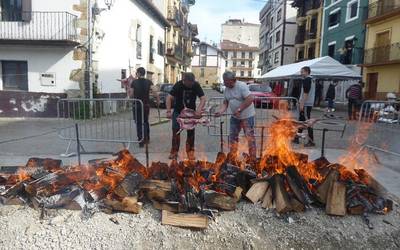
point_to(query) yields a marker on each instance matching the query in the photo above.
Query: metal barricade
(266, 109)
(100, 120)
(381, 120)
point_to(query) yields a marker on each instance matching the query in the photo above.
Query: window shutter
(26, 10)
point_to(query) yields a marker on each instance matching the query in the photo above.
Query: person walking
(238, 98)
(140, 90)
(184, 95)
(354, 96)
(306, 102)
(330, 97)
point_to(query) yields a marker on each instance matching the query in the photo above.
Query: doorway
(372, 81)
(382, 45)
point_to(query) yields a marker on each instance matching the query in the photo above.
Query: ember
(282, 179)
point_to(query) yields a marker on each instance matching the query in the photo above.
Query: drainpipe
(322, 30)
(283, 32)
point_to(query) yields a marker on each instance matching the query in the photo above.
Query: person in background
(240, 102)
(319, 89)
(183, 95)
(296, 91)
(330, 97)
(140, 90)
(306, 102)
(354, 96)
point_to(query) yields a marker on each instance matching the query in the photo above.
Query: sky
(210, 14)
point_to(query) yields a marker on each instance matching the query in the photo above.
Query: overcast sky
(210, 14)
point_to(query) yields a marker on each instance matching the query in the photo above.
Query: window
(334, 19)
(279, 15)
(242, 73)
(271, 24)
(226, 54)
(151, 56)
(234, 54)
(352, 10)
(249, 73)
(160, 48)
(270, 41)
(242, 63)
(276, 57)
(226, 63)
(243, 54)
(234, 63)
(203, 61)
(250, 55)
(300, 56)
(331, 50)
(250, 64)
(278, 36)
(203, 49)
(202, 72)
(348, 51)
(15, 75)
(16, 10)
(311, 53)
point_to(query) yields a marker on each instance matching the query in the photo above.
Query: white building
(43, 50)
(238, 31)
(208, 64)
(277, 35)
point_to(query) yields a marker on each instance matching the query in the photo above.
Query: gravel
(249, 227)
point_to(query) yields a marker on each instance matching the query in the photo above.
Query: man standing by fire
(240, 102)
(184, 95)
(307, 98)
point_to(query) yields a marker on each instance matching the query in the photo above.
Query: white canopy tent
(325, 68)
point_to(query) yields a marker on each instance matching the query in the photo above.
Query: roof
(150, 7)
(234, 46)
(212, 46)
(322, 67)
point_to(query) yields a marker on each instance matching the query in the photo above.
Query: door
(382, 45)
(372, 81)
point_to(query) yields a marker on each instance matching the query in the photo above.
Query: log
(267, 199)
(336, 200)
(128, 204)
(299, 186)
(184, 220)
(297, 205)
(156, 184)
(237, 195)
(323, 189)
(282, 199)
(221, 201)
(257, 191)
(174, 207)
(371, 182)
(130, 185)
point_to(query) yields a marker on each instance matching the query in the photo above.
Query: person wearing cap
(184, 95)
(240, 102)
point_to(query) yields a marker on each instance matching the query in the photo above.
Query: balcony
(311, 35)
(175, 17)
(186, 32)
(174, 50)
(389, 54)
(382, 9)
(43, 28)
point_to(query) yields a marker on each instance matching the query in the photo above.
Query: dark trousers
(142, 123)
(353, 108)
(303, 115)
(176, 138)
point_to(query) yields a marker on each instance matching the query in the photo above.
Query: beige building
(179, 39)
(208, 64)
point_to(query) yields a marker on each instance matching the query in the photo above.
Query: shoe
(141, 145)
(191, 156)
(173, 156)
(309, 144)
(296, 140)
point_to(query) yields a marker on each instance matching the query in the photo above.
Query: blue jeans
(331, 103)
(248, 127)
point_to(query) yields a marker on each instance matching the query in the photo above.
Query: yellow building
(179, 38)
(309, 27)
(381, 68)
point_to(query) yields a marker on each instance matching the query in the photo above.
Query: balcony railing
(175, 16)
(311, 35)
(174, 50)
(383, 55)
(383, 7)
(38, 26)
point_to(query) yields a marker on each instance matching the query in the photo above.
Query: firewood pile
(190, 193)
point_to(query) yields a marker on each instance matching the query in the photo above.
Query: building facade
(208, 64)
(309, 28)
(344, 30)
(277, 35)
(382, 49)
(179, 38)
(240, 43)
(242, 60)
(74, 48)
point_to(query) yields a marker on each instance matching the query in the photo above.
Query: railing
(38, 26)
(384, 54)
(175, 16)
(382, 7)
(311, 35)
(174, 50)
